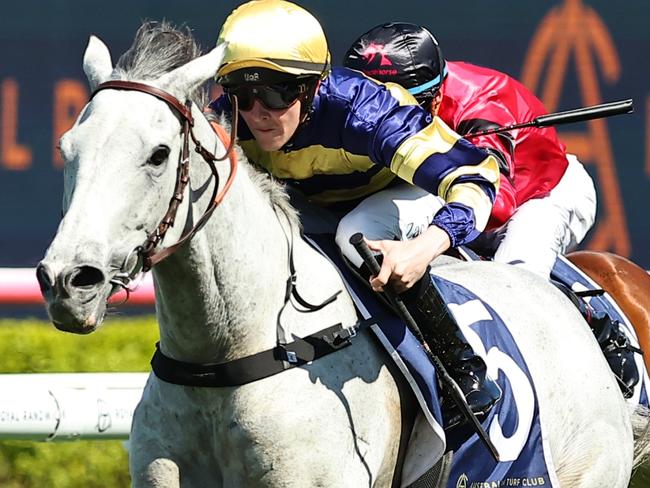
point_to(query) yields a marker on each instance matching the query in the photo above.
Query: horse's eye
(159, 156)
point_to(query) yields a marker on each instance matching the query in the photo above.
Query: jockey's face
(272, 129)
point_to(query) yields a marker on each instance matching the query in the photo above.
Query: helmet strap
(306, 111)
(307, 103)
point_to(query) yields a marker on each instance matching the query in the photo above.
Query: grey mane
(159, 48)
(277, 194)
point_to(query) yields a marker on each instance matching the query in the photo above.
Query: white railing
(65, 406)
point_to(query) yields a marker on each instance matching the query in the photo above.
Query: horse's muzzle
(76, 297)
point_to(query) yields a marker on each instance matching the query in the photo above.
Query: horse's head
(121, 158)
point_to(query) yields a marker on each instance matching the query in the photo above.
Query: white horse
(331, 423)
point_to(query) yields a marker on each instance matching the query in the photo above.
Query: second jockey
(546, 201)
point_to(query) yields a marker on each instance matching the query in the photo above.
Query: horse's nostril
(86, 277)
(44, 278)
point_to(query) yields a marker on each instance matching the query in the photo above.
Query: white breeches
(542, 228)
(538, 231)
(401, 212)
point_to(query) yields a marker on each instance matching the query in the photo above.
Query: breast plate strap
(256, 366)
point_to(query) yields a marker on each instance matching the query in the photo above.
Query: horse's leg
(160, 473)
(159, 455)
(158, 452)
(627, 283)
(149, 464)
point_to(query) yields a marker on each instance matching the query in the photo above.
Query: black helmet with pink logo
(402, 53)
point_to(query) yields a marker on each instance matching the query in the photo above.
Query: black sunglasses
(274, 97)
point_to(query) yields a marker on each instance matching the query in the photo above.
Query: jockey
(402, 176)
(546, 201)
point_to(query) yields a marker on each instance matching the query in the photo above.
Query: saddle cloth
(514, 423)
(518, 430)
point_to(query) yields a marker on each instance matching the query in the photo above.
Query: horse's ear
(97, 62)
(189, 77)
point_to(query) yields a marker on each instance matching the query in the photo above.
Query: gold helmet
(273, 35)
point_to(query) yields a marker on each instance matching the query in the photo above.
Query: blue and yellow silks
(361, 135)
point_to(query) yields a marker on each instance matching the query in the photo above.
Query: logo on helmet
(374, 50)
(251, 77)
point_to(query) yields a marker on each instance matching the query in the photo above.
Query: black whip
(456, 393)
(568, 117)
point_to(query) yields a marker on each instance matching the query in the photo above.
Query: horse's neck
(219, 296)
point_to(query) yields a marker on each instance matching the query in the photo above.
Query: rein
(148, 249)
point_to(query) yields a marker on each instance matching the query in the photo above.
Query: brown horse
(627, 283)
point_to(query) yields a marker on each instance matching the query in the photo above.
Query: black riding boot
(446, 341)
(618, 352)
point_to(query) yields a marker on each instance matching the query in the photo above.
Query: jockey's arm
(438, 160)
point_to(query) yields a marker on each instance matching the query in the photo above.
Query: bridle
(147, 251)
(284, 355)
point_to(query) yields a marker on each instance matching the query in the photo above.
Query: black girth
(257, 366)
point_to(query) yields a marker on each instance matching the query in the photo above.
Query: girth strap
(257, 366)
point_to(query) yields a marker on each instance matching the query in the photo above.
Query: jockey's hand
(406, 261)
